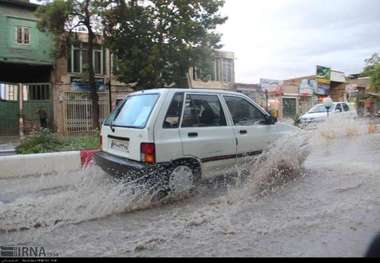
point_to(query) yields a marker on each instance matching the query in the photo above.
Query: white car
(179, 136)
(318, 113)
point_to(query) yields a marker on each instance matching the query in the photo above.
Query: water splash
(96, 195)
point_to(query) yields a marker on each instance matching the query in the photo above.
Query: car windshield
(134, 112)
(318, 109)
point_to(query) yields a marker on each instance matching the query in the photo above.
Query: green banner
(323, 75)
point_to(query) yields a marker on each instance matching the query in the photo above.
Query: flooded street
(329, 205)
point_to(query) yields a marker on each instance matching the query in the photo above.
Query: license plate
(120, 145)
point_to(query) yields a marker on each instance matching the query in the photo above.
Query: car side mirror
(270, 119)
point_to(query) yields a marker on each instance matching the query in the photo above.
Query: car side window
(173, 115)
(345, 107)
(203, 110)
(338, 107)
(244, 113)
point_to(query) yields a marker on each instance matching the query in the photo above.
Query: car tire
(180, 178)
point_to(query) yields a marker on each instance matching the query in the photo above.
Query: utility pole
(109, 80)
(21, 110)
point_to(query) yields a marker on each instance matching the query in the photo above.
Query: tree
(156, 42)
(61, 18)
(372, 70)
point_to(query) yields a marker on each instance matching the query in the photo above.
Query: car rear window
(134, 112)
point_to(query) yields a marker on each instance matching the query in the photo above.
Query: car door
(205, 133)
(250, 128)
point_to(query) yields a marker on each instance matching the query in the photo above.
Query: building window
(227, 70)
(217, 70)
(37, 92)
(8, 92)
(98, 61)
(78, 59)
(23, 36)
(222, 70)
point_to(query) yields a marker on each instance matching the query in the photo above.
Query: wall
(37, 52)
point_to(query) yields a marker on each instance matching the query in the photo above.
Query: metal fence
(33, 97)
(77, 112)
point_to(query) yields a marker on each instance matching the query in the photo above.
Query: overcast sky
(282, 39)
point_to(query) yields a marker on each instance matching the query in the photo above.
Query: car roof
(335, 102)
(173, 90)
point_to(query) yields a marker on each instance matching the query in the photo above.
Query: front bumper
(123, 168)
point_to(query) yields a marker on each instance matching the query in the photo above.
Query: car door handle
(192, 134)
(243, 131)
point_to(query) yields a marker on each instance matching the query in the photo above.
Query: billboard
(83, 86)
(308, 87)
(273, 86)
(323, 75)
(322, 89)
(337, 76)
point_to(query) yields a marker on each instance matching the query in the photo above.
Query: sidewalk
(8, 145)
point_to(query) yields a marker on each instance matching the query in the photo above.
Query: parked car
(179, 136)
(318, 113)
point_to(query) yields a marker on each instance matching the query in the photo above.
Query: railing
(77, 112)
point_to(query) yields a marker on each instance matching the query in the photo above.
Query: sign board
(307, 87)
(337, 76)
(82, 86)
(322, 89)
(323, 75)
(272, 86)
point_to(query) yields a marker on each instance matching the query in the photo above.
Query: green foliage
(53, 18)
(157, 43)
(372, 70)
(43, 140)
(297, 119)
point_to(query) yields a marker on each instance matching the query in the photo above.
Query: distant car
(179, 136)
(318, 113)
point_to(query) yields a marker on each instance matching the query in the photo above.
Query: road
(329, 205)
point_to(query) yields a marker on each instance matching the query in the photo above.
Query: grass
(74, 143)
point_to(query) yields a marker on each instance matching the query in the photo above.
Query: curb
(37, 164)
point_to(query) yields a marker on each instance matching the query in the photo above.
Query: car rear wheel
(181, 180)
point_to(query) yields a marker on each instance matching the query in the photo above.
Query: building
(72, 102)
(359, 93)
(25, 68)
(253, 91)
(301, 93)
(223, 73)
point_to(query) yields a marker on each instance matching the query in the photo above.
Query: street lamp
(327, 102)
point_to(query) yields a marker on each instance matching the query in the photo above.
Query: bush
(43, 140)
(39, 141)
(296, 119)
